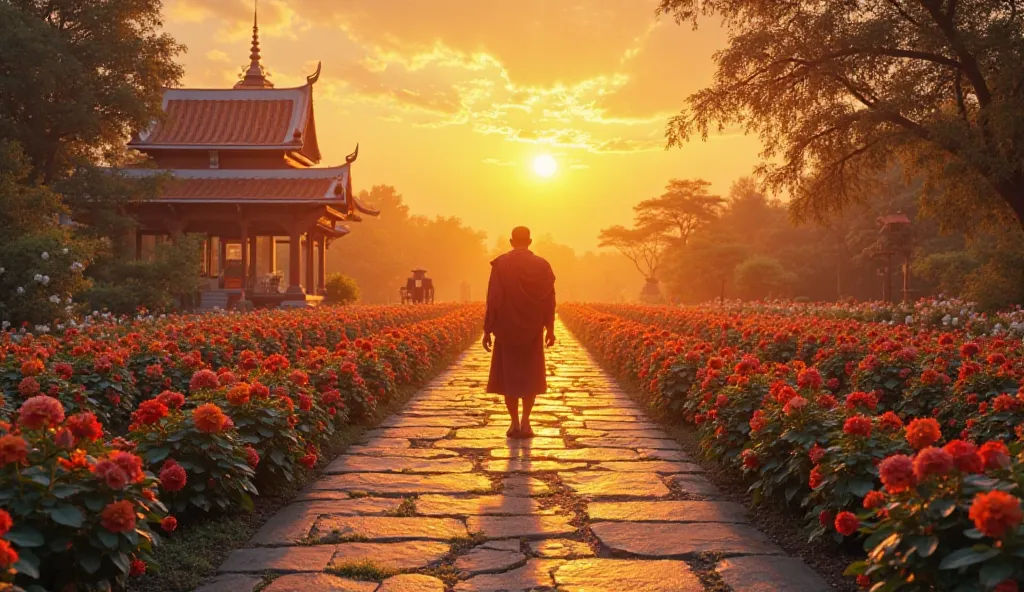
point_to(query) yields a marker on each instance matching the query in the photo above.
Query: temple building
(241, 169)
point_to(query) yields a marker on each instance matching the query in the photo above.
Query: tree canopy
(837, 89)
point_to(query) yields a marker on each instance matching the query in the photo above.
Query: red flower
(995, 513)
(114, 476)
(5, 522)
(858, 425)
(750, 460)
(847, 523)
(129, 463)
(137, 568)
(204, 379)
(968, 349)
(85, 426)
(889, 421)
(239, 394)
(150, 412)
(794, 405)
(816, 453)
(209, 418)
(897, 473)
(995, 455)
(923, 432)
(118, 517)
(171, 399)
(965, 456)
(8, 556)
(169, 524)
(33, 367)
(864, 581)
(12, 449)
(308, 461)
(825, 518)
(932, 461)
(28, 386)
(874, 500)
(1007, 586)
(173, 476)
(815, 479)
(41, 411)
(259, 391)
(252, 457)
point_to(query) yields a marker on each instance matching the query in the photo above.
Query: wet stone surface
(437, 499)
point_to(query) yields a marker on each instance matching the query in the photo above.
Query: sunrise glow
(545, 166)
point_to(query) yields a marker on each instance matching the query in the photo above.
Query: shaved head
(521, 237)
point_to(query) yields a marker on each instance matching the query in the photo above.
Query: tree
(341, 289)
(835, 89)
(682, 209)
(78, 77)
(705, 267)
(761, 277)
(644, 246)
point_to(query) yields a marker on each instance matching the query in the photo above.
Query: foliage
(123, 286)
(82, 510)
(341, 289)
(760, 277)
(835, 92)
(685, 206)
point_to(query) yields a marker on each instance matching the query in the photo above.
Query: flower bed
(112, 433)
(907, 438)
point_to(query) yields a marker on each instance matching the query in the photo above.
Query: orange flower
(8, 556)
(118, 517)
(12, 449)
(239, 394)
(874, 500)
(897, 473)
(5, 522)
(209, 418)
(995, 513)
(33, 367)
(923, 432)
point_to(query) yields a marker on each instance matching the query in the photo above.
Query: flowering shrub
(838, 416)
(78, 511)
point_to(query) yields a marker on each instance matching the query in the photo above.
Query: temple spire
(255, 76)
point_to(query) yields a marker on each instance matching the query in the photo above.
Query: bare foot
(526, 432)
(513, 432)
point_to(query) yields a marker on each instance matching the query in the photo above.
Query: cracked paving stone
(446, 505)
(279, 559)
(487, 444)
(619, 575)
(535, 574)
(499, 432)
(401, 452)
(609, 426)
(405, 483)
(561, 549)
(482, 560)
(667, 511)
(503, 527)
(293, 523)
(568, 454)
(393, 556)
(770, 574)
(415, 433)
(501, 545)
(411, 583)
(630, 442)
(373, 464)
(654, 454)
(388, 528)
(662, 539)
(606, 484)
(695, 485)
(386, 443)
(319, 582)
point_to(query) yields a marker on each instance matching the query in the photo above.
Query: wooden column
(253, 255)
(294, 262)
(223, 258)
(138, 244)
(310, 263)
(245, 257)
(321, 268)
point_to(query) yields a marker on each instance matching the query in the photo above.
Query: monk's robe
(520, 304)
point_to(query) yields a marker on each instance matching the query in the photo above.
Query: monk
(520, 308)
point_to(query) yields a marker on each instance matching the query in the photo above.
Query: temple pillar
(253, 256)
(310, 263)
(222, 261)
(321, 268)
(245, 257)
(138, 244)
(294, 262)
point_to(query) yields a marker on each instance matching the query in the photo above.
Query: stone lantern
(419, 288)
(894, 241)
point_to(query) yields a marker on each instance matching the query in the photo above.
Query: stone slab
(655, 454)
(695, 485)
(535, 574)
(561, 549)
(387, 464)
(403, 483)
(667, 511)
(279, 559)
(231, 583)
(654, 466)
(414, 433)
(529, 465)
(629, 442)
(611, 426)
(402, 452)
(595, 484)
(446, 505)
(673, 540)
(501, 545)
(524, 486)
(482, 560)
(489, 443)
(619, 575)
(503, 527)
(401, 556)
(319, 582)
(770, 574)
(292, 524)
(387, 443)
(411, 583)
(388, 528)
(500, 430)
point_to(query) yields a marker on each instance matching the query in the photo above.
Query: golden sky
(452, 100)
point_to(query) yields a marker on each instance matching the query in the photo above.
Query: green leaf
(28, 564)
(861, 488)
(155, 455)
(67, 515)
(24, 535)
(964, 557)
(992, 574)
(90, 560)
(925, 545)
(65, 490)
(107, 538)
(942, 507)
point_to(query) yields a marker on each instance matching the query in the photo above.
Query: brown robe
(520, 304)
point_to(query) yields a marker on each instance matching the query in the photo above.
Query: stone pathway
(437, 500)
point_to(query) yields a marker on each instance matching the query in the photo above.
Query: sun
(545, 166)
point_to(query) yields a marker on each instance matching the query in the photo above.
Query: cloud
(497, 162)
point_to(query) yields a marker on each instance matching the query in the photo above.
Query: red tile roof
(221, 122)
(247, 189)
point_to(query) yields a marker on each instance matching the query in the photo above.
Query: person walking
(520, 310)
